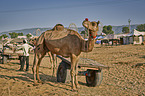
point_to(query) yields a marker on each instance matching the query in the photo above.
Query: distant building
(22, 37)
(25, 37)
(135, 37)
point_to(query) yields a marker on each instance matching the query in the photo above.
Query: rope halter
(93, 36)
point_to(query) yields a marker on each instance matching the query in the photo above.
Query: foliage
(108, 30)
(29, 35)
(13, 35)
(20, 34)
(3, 36)
(125, 29)
(84, 33)
(141, 27)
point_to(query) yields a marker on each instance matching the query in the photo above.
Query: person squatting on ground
(25, 57)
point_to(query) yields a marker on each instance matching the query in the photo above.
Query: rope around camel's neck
(89, 44)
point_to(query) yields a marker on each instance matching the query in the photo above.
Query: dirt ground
(126, 75)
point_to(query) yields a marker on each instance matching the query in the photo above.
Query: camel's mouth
(90, 30)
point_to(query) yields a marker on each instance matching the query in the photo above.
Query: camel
(67, 43)
(32, 42)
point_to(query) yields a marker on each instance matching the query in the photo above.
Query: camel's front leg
(76, 73)
(34, 68)
(72, 71)
(37, 68)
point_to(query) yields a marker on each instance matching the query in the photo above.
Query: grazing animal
(67, 43)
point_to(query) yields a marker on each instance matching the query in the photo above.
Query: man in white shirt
(25, 57)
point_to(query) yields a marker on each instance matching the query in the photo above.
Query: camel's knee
(32, 69)
(72, 73)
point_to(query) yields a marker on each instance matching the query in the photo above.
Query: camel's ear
(98, 22)
(86, 23)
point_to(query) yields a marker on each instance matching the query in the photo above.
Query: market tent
(136, 33)
(98, 39)
(135, 37)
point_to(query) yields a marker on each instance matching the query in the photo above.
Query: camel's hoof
(74, 90)
(35, 84)
(53, 75)
(39, 81)
(43, 82)
(78, 86)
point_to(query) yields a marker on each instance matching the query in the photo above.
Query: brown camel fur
(67, 43)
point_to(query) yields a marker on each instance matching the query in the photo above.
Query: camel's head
(91, 26)
(33, 41)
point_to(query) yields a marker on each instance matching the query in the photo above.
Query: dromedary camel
(32, 42)
(67, 43)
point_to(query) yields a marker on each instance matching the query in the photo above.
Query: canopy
(99, 37)
(136, 33)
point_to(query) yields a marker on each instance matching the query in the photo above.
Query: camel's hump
(59, 32)
(55, 34)
(58, 27)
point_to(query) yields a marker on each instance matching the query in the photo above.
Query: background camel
(53, 59)
(67, 43)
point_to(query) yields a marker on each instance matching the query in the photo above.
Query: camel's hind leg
(54, 64)
(51, 59)
(36, 64)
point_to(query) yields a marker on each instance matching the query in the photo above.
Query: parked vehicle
(8, 50)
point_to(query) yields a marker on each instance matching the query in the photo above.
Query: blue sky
(21, 14)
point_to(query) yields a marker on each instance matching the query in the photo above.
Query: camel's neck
(88, 45)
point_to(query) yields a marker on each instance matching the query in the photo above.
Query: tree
(125, 29)
(4, 35)
(82, 32)
(1, 37)
(13, 35)
(85, 34)
(141, 27)
(20, 34)
(108, 29)
(29, 35)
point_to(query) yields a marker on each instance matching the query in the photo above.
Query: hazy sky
(21, 14)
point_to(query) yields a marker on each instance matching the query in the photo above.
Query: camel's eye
(93, 24)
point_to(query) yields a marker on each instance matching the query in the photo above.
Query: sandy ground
(123, 78)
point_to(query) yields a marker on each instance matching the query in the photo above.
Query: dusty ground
(121, 79)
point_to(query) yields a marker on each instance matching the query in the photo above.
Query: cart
(9, 54)
(93, 74)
